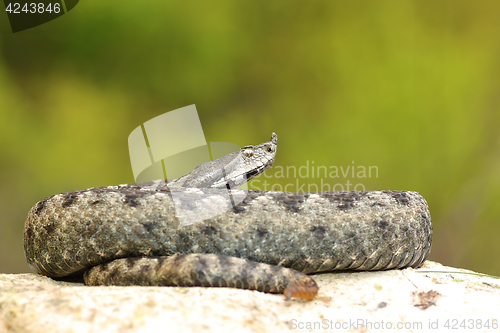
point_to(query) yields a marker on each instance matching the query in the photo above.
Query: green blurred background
(411, 87)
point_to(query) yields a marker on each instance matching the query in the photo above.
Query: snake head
(257, 159)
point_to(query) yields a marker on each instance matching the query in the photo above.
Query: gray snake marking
(268, 241)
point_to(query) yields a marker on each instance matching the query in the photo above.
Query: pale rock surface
(420, 301)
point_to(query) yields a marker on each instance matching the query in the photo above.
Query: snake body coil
(71, 232)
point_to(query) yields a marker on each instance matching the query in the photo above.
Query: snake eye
(269, 149)
(248, 153)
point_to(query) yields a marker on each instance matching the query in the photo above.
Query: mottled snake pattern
(269, 241)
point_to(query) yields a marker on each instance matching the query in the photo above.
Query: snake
(200, 230)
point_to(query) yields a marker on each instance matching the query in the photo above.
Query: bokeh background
(411, 87)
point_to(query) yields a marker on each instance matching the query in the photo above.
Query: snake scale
(267, 241)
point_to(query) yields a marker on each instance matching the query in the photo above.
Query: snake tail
(203, 270)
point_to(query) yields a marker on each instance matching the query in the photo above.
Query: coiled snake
(151, 234)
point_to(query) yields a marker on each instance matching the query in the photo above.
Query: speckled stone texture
(382, 301)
